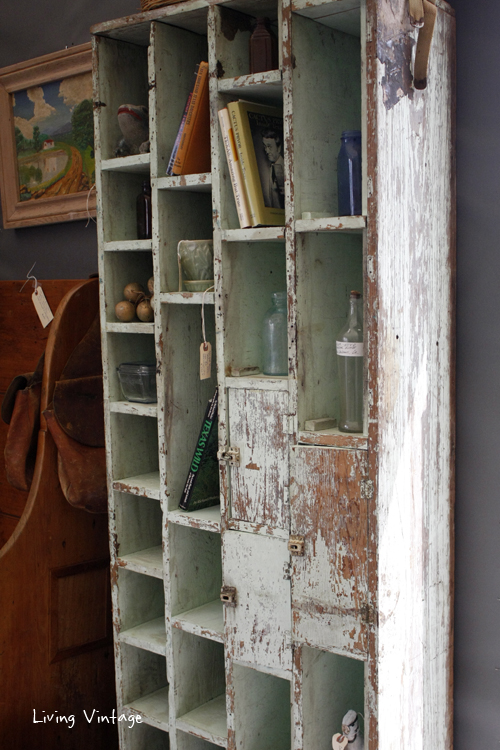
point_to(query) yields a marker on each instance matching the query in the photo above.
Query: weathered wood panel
(329, 582)
(415, 276)
(259, 485)
(258, 628)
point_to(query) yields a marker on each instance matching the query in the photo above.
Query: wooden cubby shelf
(147, 485)
(147, 561)
(206, 621)
(207, 721)
(207, 519)
(331, 550)
(139, 163)
(152, 708)
(150, 636)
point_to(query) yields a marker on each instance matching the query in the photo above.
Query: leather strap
(417, 13)
(424, 43)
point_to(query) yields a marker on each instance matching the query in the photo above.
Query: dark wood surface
(22, 341)
(56, 653)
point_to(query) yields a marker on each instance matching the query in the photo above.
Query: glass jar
(349, 173)
(350, 366)
(143, 204)
(275, 337)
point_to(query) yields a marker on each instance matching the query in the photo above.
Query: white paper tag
(339, 742)
(349, 349)
(205, 360)
(42, 306)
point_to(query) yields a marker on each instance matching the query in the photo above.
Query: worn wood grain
(258, 628)
(415, 271)
(329, 582)
(259, 485)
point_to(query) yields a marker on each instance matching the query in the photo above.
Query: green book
(202, 487)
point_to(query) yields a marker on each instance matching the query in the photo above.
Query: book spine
(178, 137)
(182, 123)
(206, 429)
(188, 125)
(249, 186)
(235, 170)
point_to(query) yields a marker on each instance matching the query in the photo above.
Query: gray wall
(31, 28)
(28, 29)
(477, 606)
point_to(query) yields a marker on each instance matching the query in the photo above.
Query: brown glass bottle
(263, 47)
(144, 229)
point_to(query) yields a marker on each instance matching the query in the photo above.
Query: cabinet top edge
(184, 6)
(146, 17)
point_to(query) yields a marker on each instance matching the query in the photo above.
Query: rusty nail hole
(397, 337)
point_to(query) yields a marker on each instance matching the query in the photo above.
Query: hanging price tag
(42, 306)
(339, 742)
(205, 360)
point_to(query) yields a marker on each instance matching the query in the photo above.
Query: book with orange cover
(193, 154)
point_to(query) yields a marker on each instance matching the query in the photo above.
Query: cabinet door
(258, 627)
(329, 582)
(259, 485)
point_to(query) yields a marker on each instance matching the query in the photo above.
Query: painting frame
(17, 78)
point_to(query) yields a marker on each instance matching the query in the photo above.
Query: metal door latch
(296, 546)
(230, 456)
(228, 596)
(367, 613)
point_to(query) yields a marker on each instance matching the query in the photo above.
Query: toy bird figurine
(351, 737)
(134, 124)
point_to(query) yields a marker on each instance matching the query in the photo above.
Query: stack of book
(253, 142)
(191, 151)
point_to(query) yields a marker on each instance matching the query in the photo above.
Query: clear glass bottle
(349, 173)
(275, 338)
(350, 365)
(143, 204)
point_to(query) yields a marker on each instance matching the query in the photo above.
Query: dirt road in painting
(71, 181)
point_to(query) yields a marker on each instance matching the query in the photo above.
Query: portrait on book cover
(267, 137)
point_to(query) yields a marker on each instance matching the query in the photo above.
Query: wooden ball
(133, 291)
(125, 311)
(144, 311)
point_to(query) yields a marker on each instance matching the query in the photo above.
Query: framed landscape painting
(47, 139)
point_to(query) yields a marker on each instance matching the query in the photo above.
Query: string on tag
(39, 299)
(28, 277)
(203, 314)
(89, 217)
(205, 347)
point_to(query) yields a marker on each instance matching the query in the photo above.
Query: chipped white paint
(258, 484)
(329, 583)
(370, 599)
(415, 277)
(258, 628)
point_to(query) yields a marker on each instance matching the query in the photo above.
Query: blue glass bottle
(275, 337)
(349, 173)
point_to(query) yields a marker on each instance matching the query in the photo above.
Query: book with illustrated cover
(235, 172)
(193, 152)
(258, 132)
(202, 484)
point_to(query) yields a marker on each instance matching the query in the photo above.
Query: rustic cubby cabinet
(338, 546)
